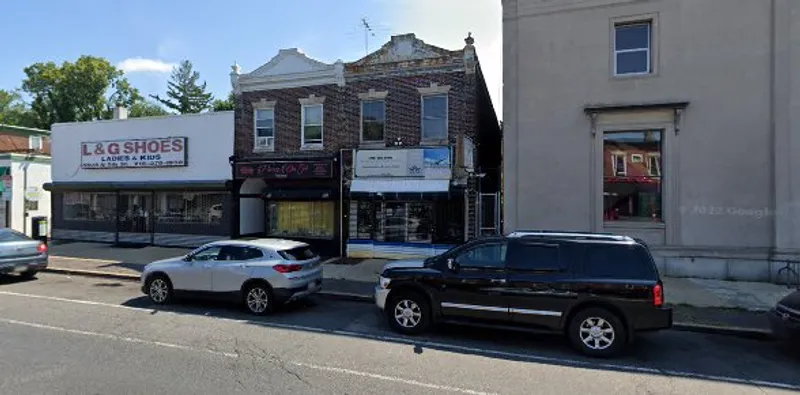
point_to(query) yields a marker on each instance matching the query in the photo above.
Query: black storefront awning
(298, 194)
(202, 185)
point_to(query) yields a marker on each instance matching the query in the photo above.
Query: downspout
(235, 201)
(773, 129)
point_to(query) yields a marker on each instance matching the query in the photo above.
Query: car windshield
(7, 235)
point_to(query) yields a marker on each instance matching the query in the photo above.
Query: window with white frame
(434, 117)
(632, 48)
(265, 129)
(312, 125)
(654, 165)
(620, 164)
(35, 142)
(373, 121)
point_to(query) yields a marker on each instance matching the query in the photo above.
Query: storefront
(295, 199)
(402, 204)
(21, 195)
(161, 181)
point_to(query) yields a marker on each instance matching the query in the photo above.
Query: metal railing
(790, 274)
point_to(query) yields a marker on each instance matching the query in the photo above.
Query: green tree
(146, 108)
(185, 94)
(14, 111)
(228, 104)
(76, 91)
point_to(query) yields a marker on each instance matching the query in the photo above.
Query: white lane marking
(443, 346)
(390, 378)
(76, 301)
(236, 356)
(114, 337)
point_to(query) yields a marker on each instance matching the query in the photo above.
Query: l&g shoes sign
(134, 153)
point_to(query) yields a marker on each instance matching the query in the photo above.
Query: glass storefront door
(395, 217)
(135, 211)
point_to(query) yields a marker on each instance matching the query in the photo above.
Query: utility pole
(367, 32)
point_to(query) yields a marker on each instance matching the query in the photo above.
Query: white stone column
(786, 125)
(510, 116)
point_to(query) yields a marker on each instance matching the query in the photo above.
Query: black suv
(598, 289)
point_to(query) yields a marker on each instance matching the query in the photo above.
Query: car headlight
(384, 282)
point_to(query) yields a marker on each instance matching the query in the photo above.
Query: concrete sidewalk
(705, 305)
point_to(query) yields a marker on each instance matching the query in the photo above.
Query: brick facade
(20, 144)
(342, 112)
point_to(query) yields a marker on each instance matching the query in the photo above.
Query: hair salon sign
(134, 153)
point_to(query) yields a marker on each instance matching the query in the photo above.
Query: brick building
(346, 156)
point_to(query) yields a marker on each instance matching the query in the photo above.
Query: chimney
(120, 112)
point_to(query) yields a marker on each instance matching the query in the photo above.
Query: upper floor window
(35, 142)
(312, 125)
(619, 163)
(632, 48)
(434, 117)
(654, 165)
(265, 129)
(373, 121)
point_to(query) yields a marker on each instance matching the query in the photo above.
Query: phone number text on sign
(134, 153)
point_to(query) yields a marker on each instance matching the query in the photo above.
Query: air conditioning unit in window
(265, 142)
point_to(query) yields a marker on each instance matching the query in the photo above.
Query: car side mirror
(452, 264)
(187, 258)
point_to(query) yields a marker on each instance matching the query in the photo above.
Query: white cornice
(302, 71)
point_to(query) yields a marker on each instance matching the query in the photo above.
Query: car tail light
(658, 295)
(288, 268)
(42, 248)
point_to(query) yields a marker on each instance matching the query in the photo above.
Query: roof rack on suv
(571, 235)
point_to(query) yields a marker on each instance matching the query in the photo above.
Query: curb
(748, 333)
(352, 297)
(92, 273)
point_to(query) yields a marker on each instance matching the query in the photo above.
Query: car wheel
(408, 313)
(597, 332)
(28, 275)
(159, 289)
(258, 299)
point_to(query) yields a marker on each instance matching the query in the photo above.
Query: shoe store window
(90, 206)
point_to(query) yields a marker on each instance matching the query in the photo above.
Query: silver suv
(260, 273)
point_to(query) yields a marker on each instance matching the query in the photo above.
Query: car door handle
(498, 281)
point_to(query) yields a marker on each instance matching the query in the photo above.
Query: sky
(146, 38)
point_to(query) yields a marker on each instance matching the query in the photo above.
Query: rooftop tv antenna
(367, 33)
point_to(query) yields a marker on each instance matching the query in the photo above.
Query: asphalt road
(78, 335)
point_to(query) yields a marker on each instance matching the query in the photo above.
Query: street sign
(33, 194)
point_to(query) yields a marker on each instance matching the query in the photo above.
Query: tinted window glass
(10, 235)
(237, 253)
(487, 255)
(252, 253)
(298, 254)
(207, 254)
(627, 262)
(534, 256)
